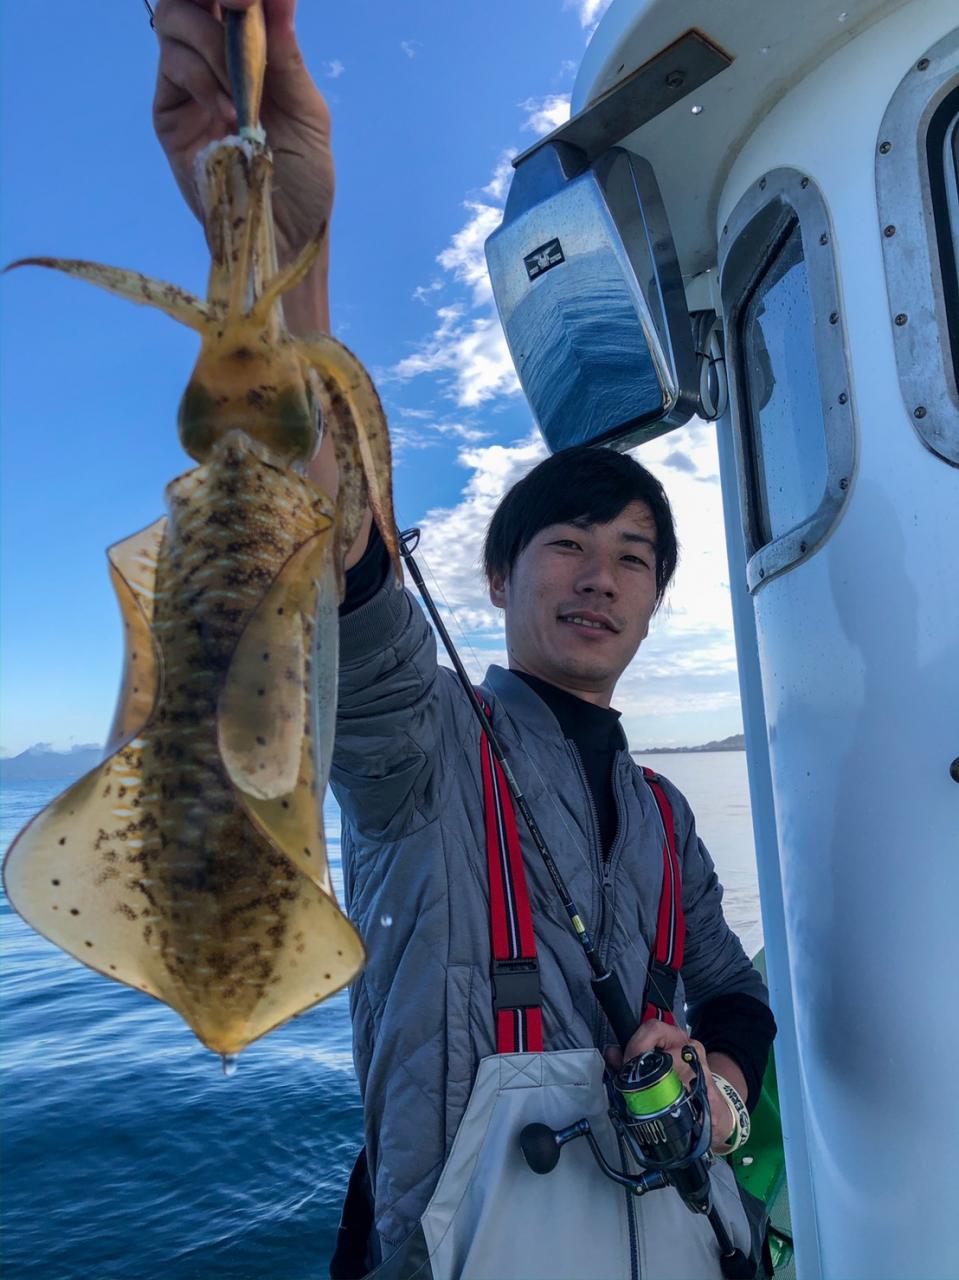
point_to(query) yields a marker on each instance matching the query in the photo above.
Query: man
(578, 556)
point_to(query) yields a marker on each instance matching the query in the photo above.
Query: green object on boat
(760, 1164)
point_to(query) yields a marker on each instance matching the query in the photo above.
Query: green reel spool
(649, 1084)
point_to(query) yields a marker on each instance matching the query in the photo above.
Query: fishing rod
(605, 983)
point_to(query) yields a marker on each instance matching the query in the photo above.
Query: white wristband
(737, 1109)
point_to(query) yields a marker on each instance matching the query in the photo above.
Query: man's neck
(598, 697)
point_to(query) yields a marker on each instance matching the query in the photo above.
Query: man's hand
(660, 1035)
(193, 108)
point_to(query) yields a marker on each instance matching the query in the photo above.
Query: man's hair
(586, 483)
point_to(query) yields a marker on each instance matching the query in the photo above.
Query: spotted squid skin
(218, 893)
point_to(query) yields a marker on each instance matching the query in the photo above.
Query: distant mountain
(736, 743)
(41, 763)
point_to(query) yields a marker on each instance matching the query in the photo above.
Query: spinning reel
(666, 1129)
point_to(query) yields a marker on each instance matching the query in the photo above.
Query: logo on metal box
(540, 260)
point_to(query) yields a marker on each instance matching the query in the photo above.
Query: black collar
(590, 726)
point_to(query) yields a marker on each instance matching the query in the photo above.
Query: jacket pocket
(459, 1046)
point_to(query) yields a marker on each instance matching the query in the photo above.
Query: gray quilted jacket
(406, 773)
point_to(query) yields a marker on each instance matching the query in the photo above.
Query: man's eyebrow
(580, 522)
(638, 537)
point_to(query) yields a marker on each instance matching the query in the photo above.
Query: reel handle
(541, 1145)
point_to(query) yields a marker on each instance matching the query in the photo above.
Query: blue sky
(428, 99)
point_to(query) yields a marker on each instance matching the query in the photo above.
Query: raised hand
(193, 108)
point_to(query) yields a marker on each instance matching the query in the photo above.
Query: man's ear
(497, 589)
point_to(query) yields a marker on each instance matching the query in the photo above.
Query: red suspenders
(667, 958)
(519, 1019)
(515, 973)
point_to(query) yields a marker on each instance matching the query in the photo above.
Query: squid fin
(361, 417)
(278, 707)
(325, 954)
(133, 568)
(281, 778)
(74, 873)
(132, 285)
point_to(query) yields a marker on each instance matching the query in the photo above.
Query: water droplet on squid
(230, 1063)
(386, 920)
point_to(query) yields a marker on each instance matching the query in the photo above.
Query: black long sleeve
(744, 1029)
(367, 575)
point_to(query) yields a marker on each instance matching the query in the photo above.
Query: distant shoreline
(40, 764)
(735, 743)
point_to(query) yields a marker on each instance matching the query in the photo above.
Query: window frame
(925, 328)
(755, 232)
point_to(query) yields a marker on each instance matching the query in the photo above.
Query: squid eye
(319, 417)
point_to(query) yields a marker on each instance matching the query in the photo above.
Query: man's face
(578, 601)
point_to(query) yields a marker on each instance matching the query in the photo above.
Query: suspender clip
(515, 984)
(661, 982)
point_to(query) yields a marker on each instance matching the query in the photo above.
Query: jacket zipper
(605, 861)
(596, 853)
(581, 769)
(610, 860)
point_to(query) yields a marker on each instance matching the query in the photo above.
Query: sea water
(128, 1153)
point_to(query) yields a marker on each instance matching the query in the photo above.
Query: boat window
(790, 393)
(942, 152)
(782, 386)
(917, 189)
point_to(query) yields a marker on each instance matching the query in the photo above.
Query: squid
(191, 863)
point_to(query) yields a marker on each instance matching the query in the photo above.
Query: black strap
(351, 1260)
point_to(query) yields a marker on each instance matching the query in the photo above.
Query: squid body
(191, 863)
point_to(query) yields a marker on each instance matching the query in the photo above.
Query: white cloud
(471, 352)
(412, 430)
(465, 256)
(468, 350)
(410, 47)
(333, 69)
(453, 536)
(423, 292)
(588, 11)
(543, 115)
(498, 185)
